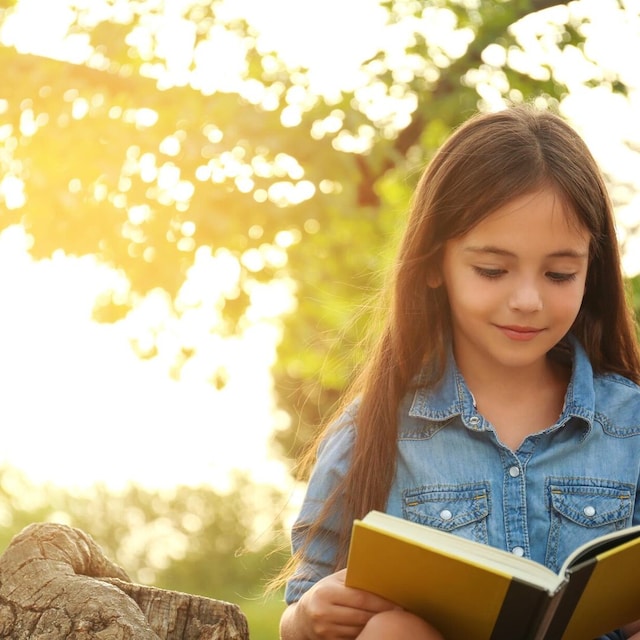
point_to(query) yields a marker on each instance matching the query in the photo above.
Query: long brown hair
(486, 162)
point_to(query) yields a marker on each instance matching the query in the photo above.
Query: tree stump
(56, 584)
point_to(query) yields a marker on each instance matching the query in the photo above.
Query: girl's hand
(632, 630)
(332, 611)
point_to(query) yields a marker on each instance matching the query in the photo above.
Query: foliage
(113, 156)
(634, 296)
(193, 540)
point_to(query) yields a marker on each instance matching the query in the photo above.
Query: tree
(194, 540)
(112, 156)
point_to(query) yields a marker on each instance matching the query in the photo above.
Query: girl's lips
(519, 333)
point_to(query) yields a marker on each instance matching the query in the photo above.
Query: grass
(263, 616)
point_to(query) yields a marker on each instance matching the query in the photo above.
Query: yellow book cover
(473, 591)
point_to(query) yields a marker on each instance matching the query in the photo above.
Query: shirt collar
(451, 397)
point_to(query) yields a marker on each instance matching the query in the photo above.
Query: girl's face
(515, 283)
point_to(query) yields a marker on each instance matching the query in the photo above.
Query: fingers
(332, 610)
(362, 600)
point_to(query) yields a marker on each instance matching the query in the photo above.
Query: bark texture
(56, 584)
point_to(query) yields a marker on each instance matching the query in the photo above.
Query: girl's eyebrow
(561, 253)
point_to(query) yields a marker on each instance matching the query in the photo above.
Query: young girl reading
(500, 401)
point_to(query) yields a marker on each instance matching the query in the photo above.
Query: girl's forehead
(541, 217)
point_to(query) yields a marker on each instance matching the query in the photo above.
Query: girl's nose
(526, 297)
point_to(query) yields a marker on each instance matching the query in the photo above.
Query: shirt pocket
(582, 509)
(459, 509)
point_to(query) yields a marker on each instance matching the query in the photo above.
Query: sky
(79, 407)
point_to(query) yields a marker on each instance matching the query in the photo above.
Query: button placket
(515, 503)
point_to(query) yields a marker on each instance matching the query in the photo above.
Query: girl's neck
(519, 403)
(512, 380)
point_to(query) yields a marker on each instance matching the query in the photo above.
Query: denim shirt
(563, 486)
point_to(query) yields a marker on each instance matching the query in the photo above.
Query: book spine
(542, 627)
(569, 598)
(521, 611)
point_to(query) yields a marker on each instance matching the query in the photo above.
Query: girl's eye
(556, 276)
(489, 273)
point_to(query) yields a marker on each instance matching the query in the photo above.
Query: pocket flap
(591, 505)
(447, 508)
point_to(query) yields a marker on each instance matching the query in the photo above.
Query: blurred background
(197, 200)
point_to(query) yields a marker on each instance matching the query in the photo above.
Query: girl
(500, 401)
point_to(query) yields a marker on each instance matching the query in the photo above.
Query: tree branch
(446, 86)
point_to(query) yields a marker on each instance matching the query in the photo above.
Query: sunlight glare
(209, 76)
(42, 28)
(322, 39)
(93, 391)
(212, 277)
(12, 192)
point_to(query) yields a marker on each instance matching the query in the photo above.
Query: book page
(476, 553)
(595, 547)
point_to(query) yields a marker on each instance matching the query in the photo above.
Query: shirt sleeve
(334, 455)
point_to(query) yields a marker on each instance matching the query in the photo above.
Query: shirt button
(517, 551)
(445, 514)
(514, 472)
(474, 420)
(589, 511)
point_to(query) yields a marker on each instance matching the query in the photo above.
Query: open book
(471, 591)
